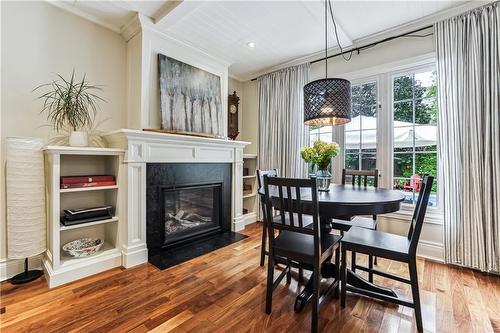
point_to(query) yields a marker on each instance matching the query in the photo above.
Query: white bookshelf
(61, 268)
(250, 199)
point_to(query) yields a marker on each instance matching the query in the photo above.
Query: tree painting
(190, 98)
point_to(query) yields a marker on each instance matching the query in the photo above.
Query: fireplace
(190, 211)
(186, 202)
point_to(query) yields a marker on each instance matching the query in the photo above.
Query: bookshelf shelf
(250, 203)
(88, 224)
(85, 189)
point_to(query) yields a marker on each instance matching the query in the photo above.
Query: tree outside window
(415, 133)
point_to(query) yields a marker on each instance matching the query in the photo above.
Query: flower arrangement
(320, 154)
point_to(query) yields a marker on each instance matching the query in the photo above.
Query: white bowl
(83, 247)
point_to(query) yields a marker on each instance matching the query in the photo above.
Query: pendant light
(327, 101)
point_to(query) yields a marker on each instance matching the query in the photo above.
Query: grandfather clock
(232, 120)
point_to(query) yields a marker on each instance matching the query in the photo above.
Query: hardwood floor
(224, 291)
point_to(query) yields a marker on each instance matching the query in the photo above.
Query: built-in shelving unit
(61, 268)
(250, 198)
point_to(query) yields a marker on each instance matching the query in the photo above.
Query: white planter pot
(78, 139)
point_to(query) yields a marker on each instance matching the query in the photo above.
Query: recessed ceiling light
(251, 44)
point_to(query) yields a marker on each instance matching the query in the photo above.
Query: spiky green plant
(70, 103)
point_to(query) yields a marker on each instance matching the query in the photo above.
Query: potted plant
(71, 104)
(321, 154)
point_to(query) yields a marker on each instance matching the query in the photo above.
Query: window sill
(432, 216)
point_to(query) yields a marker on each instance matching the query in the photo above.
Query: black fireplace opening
(186, 203)
(190, 211)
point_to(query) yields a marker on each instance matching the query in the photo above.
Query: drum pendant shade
(327, 102)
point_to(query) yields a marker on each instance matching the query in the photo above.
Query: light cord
(336, 34)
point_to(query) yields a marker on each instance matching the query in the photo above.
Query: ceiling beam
(174, 11)
(167, 7)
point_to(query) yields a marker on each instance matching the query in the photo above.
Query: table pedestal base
(353, 279)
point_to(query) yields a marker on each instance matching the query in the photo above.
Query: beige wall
(37, 40)
(250, 119)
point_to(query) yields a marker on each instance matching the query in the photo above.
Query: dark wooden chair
(359, 178)
(393, 247)
(297, 241)
(260, 180)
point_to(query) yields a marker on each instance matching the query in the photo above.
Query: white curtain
(281, 120)
(468, 67)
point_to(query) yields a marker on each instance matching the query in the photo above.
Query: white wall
(37, 40)
(393, 51)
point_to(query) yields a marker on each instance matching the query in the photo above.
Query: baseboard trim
(134, 255)
(250, 218)
(431, 250)
(11, 267)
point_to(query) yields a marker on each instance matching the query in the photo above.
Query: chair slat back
(361, 176)
(262, 173)
(260, 181)
(285, 195)
(417, 220)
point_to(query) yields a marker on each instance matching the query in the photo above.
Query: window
(393, 128)
(361, 133)
(414, 132)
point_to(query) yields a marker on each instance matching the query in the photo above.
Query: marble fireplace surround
(150, 147)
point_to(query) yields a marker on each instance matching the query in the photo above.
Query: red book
(86, 179)
(93, 184)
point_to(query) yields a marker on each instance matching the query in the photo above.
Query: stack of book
(87, 181)
(84, 215)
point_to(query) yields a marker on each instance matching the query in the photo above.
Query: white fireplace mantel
(144, 147)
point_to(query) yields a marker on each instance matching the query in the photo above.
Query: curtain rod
(361, 48)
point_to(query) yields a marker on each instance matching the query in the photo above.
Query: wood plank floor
(224, 291)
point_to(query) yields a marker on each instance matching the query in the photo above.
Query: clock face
(232, 108)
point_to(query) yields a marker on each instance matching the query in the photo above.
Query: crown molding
(69, 7)
(132, 27)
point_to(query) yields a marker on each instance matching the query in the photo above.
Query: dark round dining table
(345, 202)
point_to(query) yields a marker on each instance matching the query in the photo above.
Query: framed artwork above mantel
(190, 99)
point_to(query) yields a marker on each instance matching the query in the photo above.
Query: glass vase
(323, 180)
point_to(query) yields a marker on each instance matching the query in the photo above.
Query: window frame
(411, 70)
(361, 81)
(383, 75)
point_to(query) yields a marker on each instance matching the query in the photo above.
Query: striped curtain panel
(281, 120)
(468, 67)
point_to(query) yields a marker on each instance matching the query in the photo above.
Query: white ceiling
(282, 30)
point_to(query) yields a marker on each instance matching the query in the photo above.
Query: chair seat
(376, 243)
(300, 247)
(307, 220)
(358, 221)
